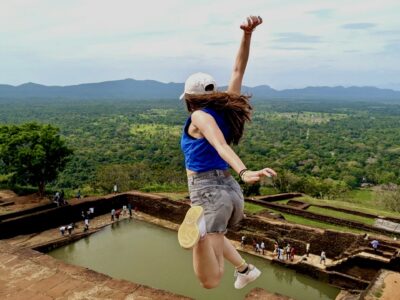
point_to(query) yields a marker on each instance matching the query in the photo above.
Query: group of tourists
(59, 198)
(67, 228)
(284, 253)
(259, 247)
(124, 211)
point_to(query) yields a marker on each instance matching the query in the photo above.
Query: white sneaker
(244, 279)
(192, 228)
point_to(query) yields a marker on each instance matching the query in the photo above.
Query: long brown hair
(237, 109)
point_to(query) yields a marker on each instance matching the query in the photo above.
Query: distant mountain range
(150, 89)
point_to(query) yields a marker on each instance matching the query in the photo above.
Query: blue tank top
(200, 155)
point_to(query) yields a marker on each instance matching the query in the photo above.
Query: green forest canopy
(319, 147)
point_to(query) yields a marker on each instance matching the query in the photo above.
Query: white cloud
(64, 42)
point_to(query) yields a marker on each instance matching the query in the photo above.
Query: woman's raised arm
(242, 56)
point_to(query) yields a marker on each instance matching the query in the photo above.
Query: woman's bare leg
(208, 260)
(233, 256)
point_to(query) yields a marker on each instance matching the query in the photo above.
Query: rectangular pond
(148, 254)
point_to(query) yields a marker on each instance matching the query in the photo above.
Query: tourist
(88, 213)
(217, 120)
(115, 188)
(323, 257)
(243, 241)
(86, 224)
(78, 195)
(69, 228)
(117, 214)
(287, 251)
(258, 249)
(62, 230)
(91, 209)
(83, 215)
(275, 247)
(124, 210)
(375, 245)
(56, 198)
(292, 251)
(280, 253)
(130, 210)
(307, 249)
(112, 215)
(262, 247)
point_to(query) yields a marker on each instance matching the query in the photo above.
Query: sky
(300, 43)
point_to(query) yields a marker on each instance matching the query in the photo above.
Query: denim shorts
(221, 198)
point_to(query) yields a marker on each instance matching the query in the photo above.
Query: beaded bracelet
(241, 173)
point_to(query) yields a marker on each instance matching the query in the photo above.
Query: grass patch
(361, 195)
(317, 224)
(340, 215)
(366, 206)
(163, 187)
(176, 196)
(253, 208)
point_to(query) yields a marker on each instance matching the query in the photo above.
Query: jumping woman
(216, 121)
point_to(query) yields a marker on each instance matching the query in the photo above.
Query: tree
(33, 153)
(389, 196)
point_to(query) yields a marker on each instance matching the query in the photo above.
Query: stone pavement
(385, 287)
(27, 274)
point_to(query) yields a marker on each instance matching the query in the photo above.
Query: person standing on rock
(280, 253)
(323, 257)
(117, 214)
(69, 228)
(243, 241)
(86, 224)
(287, 251)
(292, 251)
(275, 248)
(130, 210)
(62, 230)
(375, 244)
(112, 215)
(217, 121)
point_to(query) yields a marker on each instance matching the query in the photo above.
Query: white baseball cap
(198, 84)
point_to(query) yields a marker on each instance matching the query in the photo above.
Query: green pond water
(148, 254)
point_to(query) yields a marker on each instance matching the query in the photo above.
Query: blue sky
(301, 42)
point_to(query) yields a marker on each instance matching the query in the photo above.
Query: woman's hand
(251, 23)
(254, 176)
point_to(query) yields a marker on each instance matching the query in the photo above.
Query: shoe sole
(188, 232)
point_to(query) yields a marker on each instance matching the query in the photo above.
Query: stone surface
(385, 287)
(260, 294)
(27, 274)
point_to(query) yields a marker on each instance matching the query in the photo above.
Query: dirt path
(20, 202)
(391, 288)
(385, 287)
(4, 194)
